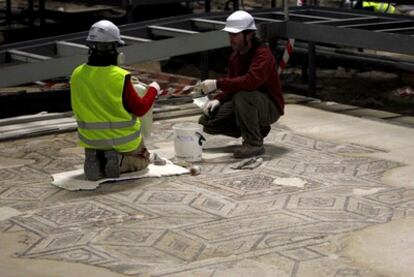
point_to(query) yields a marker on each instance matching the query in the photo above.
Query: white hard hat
(104, 31)
(239, 21)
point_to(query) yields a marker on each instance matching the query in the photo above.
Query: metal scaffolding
(159, 39)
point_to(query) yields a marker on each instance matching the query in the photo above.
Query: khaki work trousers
(135, 160)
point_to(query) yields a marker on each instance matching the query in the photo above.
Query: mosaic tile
(206, 225)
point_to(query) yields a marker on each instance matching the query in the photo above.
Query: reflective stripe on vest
(106, 125)
(109, 143)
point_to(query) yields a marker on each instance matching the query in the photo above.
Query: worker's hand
(210, 106)
(156, 86)
(208, 86)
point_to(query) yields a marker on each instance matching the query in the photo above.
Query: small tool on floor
(249, 163)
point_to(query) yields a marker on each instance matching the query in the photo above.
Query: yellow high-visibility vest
(103, 122)
(379, 7)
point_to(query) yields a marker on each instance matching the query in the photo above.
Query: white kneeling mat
(75, 179)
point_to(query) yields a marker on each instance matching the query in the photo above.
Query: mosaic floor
(285, 218)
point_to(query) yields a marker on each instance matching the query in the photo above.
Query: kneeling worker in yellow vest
(379, 7)
(107, 108)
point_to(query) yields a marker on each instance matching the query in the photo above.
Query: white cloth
(75, 179)
(200, 101)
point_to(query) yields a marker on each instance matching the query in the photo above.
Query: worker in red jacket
(107, 108)
(251, 96)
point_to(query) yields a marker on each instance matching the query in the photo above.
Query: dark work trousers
(246, 115)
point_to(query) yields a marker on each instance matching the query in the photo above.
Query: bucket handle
(201, 139)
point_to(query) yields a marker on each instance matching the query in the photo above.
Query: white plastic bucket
(146, 119)
(188, 141)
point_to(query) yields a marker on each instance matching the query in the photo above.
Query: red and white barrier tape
(286, 55)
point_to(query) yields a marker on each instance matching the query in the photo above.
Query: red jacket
(255, 70)
(135, 104)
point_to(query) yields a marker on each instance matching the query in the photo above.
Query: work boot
(112, 169)
(247, 150)
(93, 165)
(264, 131)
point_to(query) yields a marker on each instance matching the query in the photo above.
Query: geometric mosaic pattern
(207, 225)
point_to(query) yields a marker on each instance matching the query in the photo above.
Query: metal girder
(169, 32)
(339, 21)
(63, 66)
(257, 18)
(337, 29)
(207, 23)
(65, 48)
(377, 25)
(176, 46)
(135, 39)
(390, 42)
(70, 50)
(352, 56)
(398, 30)
(158, 39)
(17, 55)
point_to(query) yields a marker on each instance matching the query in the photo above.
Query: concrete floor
(334, 197)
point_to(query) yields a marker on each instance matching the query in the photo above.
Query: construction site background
(390, 91)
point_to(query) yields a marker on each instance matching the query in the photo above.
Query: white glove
(210, 106)
(156, 86)
(208, 86)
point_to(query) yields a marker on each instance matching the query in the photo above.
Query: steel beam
(207, 23)
(168, 32)
(293, 15)
(17, 55)
(135, 39)
(348, 37)
(346, 21)
(63, 66)
(351, 59)
(265, 19)
(375, 25)
(397, 30)
(314, 25)
(65, 48)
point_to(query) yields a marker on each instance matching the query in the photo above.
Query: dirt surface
(369, 89)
